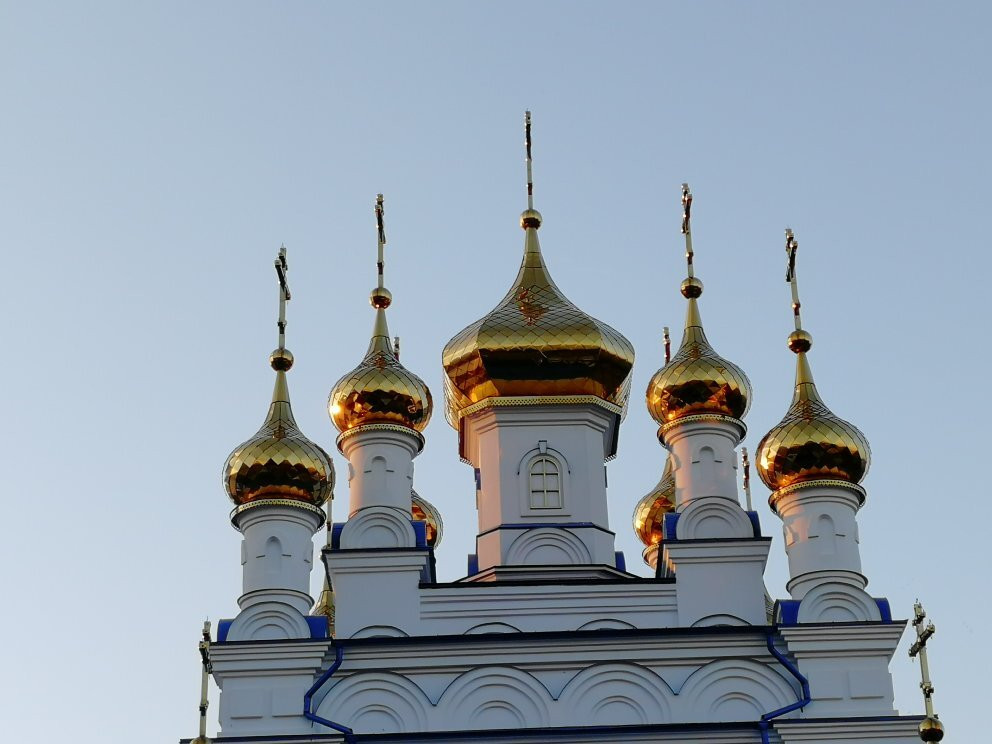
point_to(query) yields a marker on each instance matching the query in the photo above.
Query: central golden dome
(535, 342)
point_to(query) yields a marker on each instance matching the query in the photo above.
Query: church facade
(548, 638)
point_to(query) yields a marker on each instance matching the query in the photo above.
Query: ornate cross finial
(791, 246)
(204, 682)
(380, 225)
(686, 227)
(282, 268)
(746, 467)
(668, 346)
(930, 729)
(530, 173)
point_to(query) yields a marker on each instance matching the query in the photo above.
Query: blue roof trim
(546, 525)
(755, 522)
(672, 519)
(318, 626)
(621, 562)
(788, 612)
(473, 564)
(336, 535)
(223, 628)
(669, 523)
(420, 532)
(884, 609)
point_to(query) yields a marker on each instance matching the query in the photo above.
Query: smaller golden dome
(279, 462)
(649, 514)
(931, 729)
(697, 380)
(811, 442)
(424, 511)
(380, 390)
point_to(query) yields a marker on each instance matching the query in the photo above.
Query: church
(548, 637)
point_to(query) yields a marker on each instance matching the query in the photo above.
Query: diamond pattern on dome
(423, 510)
(697, 380)
(812, 443)
(649, 514)
(279, 461)
(380, 390)
(535, 342)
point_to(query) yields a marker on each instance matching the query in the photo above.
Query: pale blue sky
(155, 155)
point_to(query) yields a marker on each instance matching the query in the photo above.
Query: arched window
(545, 484)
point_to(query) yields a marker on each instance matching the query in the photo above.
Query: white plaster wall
(501, 442)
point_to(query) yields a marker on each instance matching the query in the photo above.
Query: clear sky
(153, 156)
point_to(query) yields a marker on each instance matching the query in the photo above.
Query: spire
(380, 390)
(281, 359)
(696, 380)
(530, 220)
(691, 288)
(811, 442)
(800, 342)
(381, 298)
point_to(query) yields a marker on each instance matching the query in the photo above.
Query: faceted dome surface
(535, 342)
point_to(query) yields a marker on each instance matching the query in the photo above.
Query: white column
(277, 553)
(380, 466)
(705, 459)
(821, 535)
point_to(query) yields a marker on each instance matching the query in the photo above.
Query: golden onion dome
(811, 442)
(380, 390)
(697, 380)
(279, 462)
(649, 514)
(535, 342)
(424, 511)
